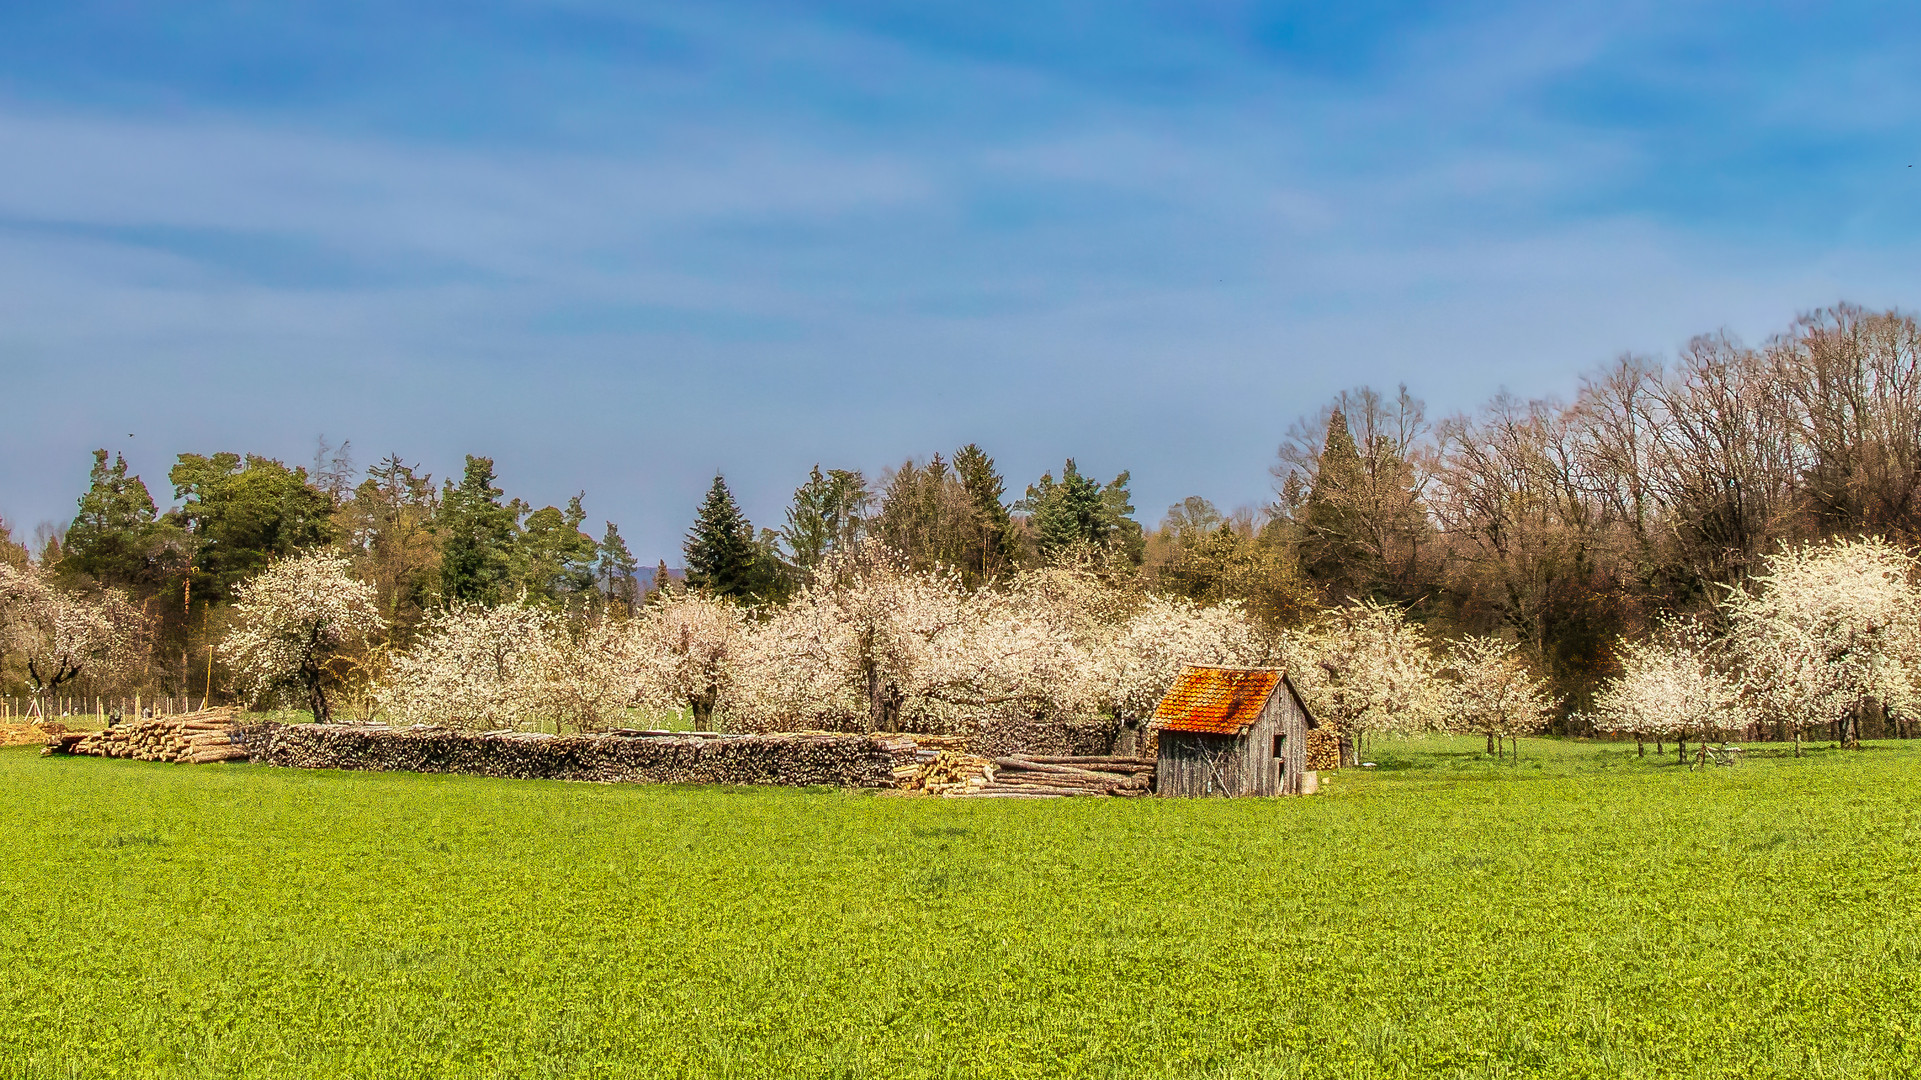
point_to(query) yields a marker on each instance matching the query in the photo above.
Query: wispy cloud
(619, 250)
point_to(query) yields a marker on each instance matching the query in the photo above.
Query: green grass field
(1582, 913)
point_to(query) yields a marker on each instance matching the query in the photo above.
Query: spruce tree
(1066, 513)
(722, 555)
(555, 560)
(479, 536)
(995, 548)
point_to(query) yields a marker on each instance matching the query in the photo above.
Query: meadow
(1583, 913)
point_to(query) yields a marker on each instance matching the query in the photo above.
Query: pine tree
(616, 568)
(242, 513)
(1361, 519)
(554, 560)
(479, 536)
(722, 554)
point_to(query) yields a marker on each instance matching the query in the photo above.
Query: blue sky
(619, 247)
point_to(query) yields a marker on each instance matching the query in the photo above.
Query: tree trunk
(1640, 748)
(1797, 742)
(1681, 749)
(1490, 741)
(703, 712)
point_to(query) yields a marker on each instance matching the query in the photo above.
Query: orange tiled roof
(1220, 701)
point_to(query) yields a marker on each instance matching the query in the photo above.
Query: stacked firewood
(1039, 777)
(192, 738)
(1323, 748)
(943, 771)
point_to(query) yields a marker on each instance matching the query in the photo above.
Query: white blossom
(1670, 687)
(1827, 628)
(59, 635)
(1367, 670)
(294, 618)
(1493, 693)
(684, 651)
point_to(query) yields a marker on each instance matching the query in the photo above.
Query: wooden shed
(1233, 731)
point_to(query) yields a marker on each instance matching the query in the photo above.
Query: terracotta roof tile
(1220, 701)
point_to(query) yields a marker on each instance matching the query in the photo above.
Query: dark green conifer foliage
(1077, 510)
(479, 536)
(617, 570)
(721, 549)
(829, 514)
(113, 539)
(994, 548)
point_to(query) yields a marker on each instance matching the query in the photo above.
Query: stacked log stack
(200, 738)
(954, 774)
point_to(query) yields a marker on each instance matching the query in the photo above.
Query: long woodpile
(797, 759)
(199, 738)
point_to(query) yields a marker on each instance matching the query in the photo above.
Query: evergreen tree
(926, 515)
(722, 553)
(1360, 519)
(1075, 510)
(116, 539)
(617, 570)
(828, 514)
(479, 536)
(386, 527)
(994, 547)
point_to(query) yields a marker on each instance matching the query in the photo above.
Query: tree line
(1563, 526)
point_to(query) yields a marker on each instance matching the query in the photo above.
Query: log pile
(1323, 748)
(1061, 776)
(1085, 737)
(944, 766)
(797, 759)
(199, 738)
(939, 771)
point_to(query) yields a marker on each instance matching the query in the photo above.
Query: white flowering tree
(583, 674)
(1493, 693)
(1132, 667)
(863, 638)
(1671, 687)
(291, 621)
(518, 666)
(876, 644)
(685, 650)
(474, 667)
(60, 636)
(1828, 628)
(1369, 671)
